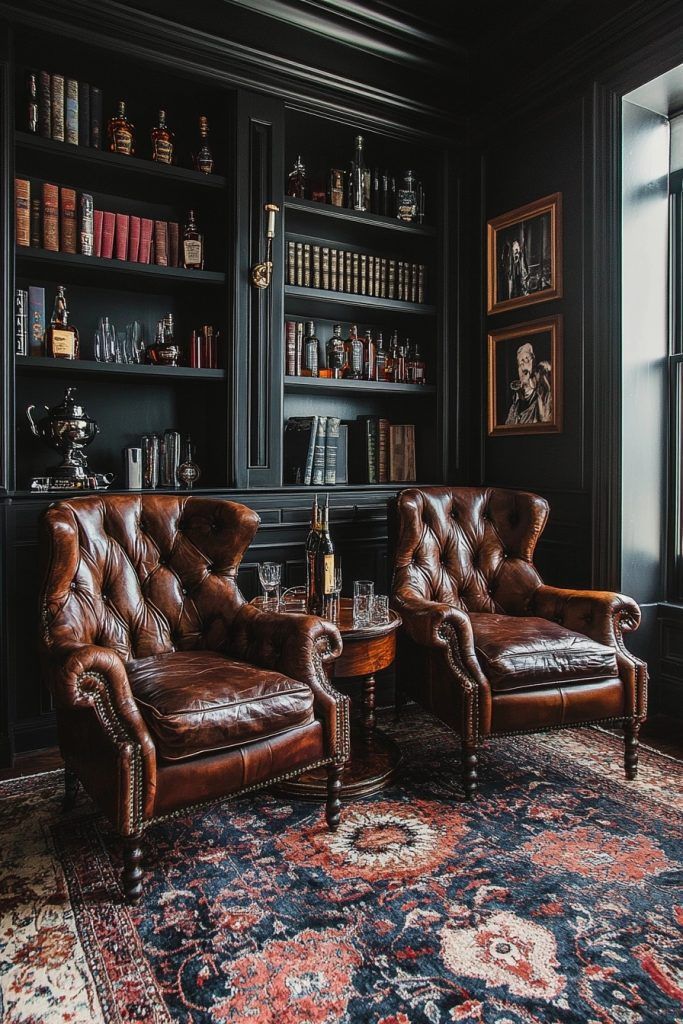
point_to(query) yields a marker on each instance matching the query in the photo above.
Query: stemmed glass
(270, 575)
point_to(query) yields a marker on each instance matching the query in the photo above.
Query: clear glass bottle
(203, 160)
(193, 247)
(162, 141)
(359, 186)
(354, 355)
(369, 357)
(381, 358)
(406, 209)
(121, 132)
(336, 353)
(310, 367)
(61, 337)
(400, 371)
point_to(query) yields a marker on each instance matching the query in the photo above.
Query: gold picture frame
(525, 378)
(524, 255)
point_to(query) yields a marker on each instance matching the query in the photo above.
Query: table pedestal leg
(369, 719)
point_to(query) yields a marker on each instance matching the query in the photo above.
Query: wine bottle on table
(311, 550)
(324, 563)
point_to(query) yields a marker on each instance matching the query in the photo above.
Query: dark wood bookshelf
(307, 208)
(109, 270)
(321, 302)
(361, 387)
(128, 166)
(88, 367)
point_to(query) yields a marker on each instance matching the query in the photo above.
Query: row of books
(61, 220)
(29, 321)
(65, 109)
(323, 451)
(343, 270)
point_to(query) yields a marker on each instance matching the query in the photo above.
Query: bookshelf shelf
(360, 387)
(305, 209)
(57, 264)
(89, 367)
(318, 302)
(100, 160)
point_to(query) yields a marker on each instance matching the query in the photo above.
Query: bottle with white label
(193, 245)
(61, 337)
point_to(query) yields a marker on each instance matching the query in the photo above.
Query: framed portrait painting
(525, 378)
(524, 255)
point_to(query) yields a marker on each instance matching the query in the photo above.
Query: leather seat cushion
(197, 702)
(518, 653)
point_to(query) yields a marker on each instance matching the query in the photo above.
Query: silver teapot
(69, 430)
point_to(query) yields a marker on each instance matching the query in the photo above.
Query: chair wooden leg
(71, 785)
(631, 730)
(469, 769)
(333, 805)
(132, 871)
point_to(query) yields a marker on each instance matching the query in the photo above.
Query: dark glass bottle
(400, 371)
(203, 160)
(312, 541)
(162, 141)
(61, 337)
(323, 575)
(310, 367)
(120, 132)
(193, 246)
(354, 355)
(336, 355)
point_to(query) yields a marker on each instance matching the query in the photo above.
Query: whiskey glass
(363, 594)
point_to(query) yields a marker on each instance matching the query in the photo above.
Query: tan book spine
(307, 265)
(395, 453)
(334, 259)
(399, 280)
(57, 93)
(414, 284)
(50, 217)
(299, 264)
(22, 211)
(371, 276)
(348, 273)
(422, 273)
(316, 274)
(383, 278)
(325, 261)
(377, 284)
(356, 273)
(391, 291)
(363, 273)
(68, 228)
(71, 111)
(341, 270)
(291, 263)
(383, 461)
(299, 350)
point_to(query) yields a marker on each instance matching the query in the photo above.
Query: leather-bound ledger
(421, 274)
(340, 270)
(134, 240)
(22, 211)
(325, 267)
(160, 243)
(307, 265)
(355, 283)
(83, 114)
(71, 111)
(300, 263)
(36, 221)
(402, 453)
(146, 229)
(290, 348)
(391, 289)
(57, 93)
(348, 272)
(333, 269)
(378, 276)
(363, 274)
(121, 237)
(400, 276)
(44, 105)
(383, 454)
(68, 228)
(316, 277)
(95, 117)
(98, 219)
(383, 278)
(173, 243)
(291, 263)
(299, 351)
(51, 217)
(414, 282)
(108, 228)
(371, 275)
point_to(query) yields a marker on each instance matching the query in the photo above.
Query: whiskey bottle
(32, 102)
(335, 187)
(418, 366)
(354, 355)
(162, 141)
(369, 357)
(61, 337)
(336, 353)
(311, 550)
(407, 199)
(296, 180)
(392, 358)
(381, 358)
(120, 132)
(359, 186)
(400, 372)
(323, 562)
(203, 160)
(193, 245)
(310, 367)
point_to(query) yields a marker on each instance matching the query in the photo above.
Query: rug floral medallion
(556, 897)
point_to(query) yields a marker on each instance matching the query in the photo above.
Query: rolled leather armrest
(599, 614)
(300, 646)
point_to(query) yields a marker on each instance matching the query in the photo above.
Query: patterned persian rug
(557, 897)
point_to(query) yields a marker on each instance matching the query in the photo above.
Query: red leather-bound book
(161, 243)
(51, 217)
(108, 227)
(122, 229)
(134, 240)
(173, 243)
(68, 228)
(146, 228)
(98, 218)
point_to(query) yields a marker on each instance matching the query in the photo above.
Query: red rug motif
(556, 897)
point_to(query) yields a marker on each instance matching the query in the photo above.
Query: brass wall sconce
(261, 272)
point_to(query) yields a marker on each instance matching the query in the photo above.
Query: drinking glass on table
(270, 575)
(380, 609)
(363, 594)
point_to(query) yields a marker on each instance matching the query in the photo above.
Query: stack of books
(62, 220)
(321, 450)
(344, 270)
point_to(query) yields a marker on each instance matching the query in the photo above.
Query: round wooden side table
(374, 757)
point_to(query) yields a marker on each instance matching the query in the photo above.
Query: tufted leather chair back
(471, 547)
(144, 574)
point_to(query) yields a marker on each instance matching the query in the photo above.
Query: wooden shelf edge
(43, 364)
(356, 386)
(372, 220)
(117, 162)
(351, 299)
(49, 258)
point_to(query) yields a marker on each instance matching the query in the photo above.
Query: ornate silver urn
(69, 430)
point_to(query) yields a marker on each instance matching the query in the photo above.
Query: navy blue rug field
(556, 897)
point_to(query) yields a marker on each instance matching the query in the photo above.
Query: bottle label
(356, 358)
(407, 204)
(192, 248)
(204, 161)
(163, 151)
(329, 574)
(62, 343)
(123, 141)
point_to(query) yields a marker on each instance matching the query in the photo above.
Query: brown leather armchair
(485, 645)
(171, 691)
